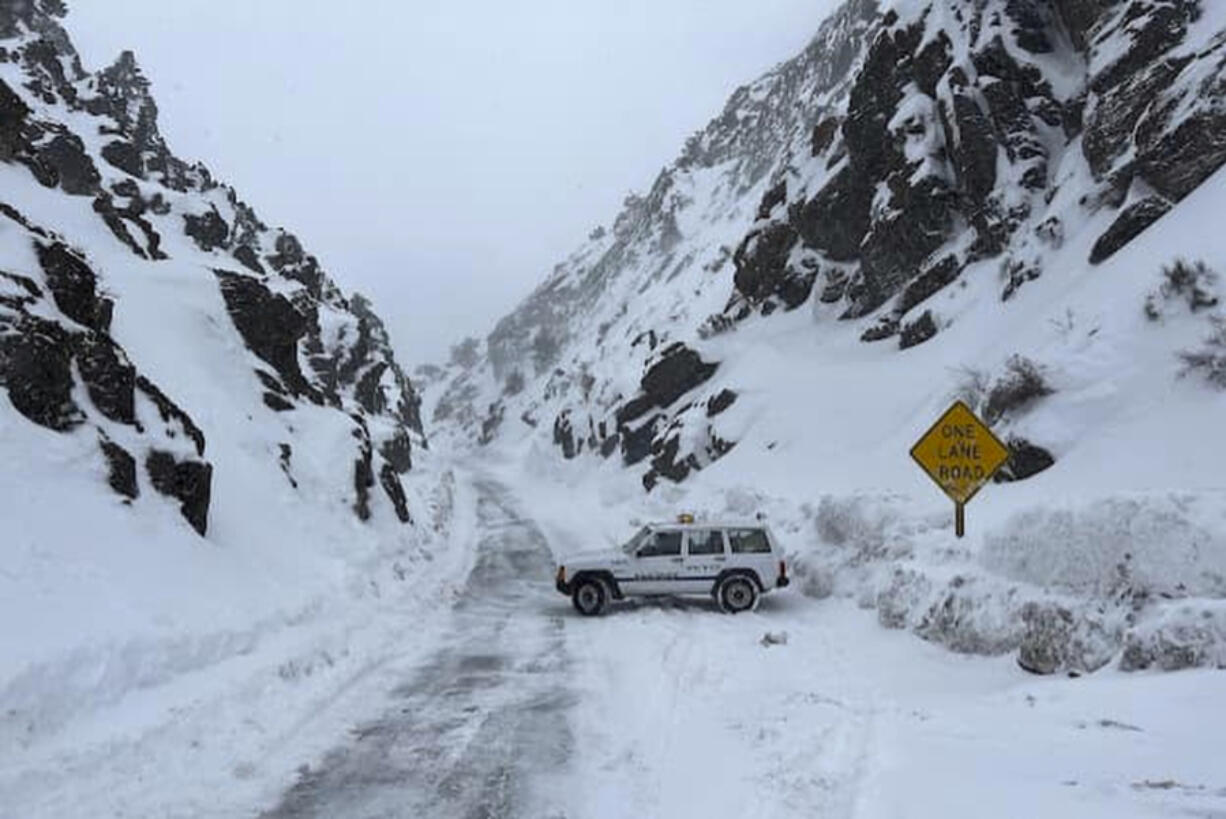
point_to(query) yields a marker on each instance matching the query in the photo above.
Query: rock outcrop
(309, 345)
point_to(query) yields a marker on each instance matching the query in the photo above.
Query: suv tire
(736, 594)
(589, 597)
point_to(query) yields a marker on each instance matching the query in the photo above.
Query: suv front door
(657, 564)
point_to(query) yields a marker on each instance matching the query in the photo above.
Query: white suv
(735, 564)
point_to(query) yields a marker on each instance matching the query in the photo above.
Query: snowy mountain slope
(986, 200)
(205, 441)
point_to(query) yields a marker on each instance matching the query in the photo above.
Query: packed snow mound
(206, 441)
(1005, 203)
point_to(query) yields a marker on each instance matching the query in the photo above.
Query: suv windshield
(633, 543)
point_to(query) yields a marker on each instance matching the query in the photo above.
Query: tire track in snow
(482, 720)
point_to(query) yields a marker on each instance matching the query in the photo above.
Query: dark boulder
(836, 219)
(398, 451)
(13, 113)
(564, 435)
(121, 475)
(247, 257)
(633, 409)
(189, 482)
(918, 331)
(270, 325)
(36, 367)
(823, 135)
(277, 402)
(720, 402)
(125, 156)
(368, 391)
(294, 263)
(363, 473)
(73, 286)
(885, 327)
(109, 378)
(395, 492)
(974, 151)
(929, 283)
(678, 371)
(1127, 226)
(1025, 460)
(636, 443)
(74, 169)
(1176, 160)
(208, 230)
(761, 262)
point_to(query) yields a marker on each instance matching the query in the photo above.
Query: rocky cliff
(912, 148)
(98, 216)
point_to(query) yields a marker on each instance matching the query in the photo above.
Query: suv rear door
(705, 558)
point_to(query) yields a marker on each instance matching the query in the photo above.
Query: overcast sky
(440, 155)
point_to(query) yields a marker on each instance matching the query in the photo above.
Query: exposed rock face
(1025, 460)
(1127, 226)
(58, 361)
(909, 150)
(678, 371)
(188, 481)
(270, 325)
(41, 358)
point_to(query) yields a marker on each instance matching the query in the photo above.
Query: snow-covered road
(483, 718)
(671, 709)
(474, 690)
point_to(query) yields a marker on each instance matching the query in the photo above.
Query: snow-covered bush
(1111, 548)
(1022, 383)
(1192, 282)
(1210, 360)
(1182, 636)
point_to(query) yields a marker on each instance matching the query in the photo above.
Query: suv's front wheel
(589, 597)
(736, 594)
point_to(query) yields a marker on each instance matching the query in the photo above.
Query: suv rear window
(662, 543)
(746, 541)
(706, 542)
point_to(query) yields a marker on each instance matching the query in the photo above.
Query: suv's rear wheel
(589, 597)
(736, 594)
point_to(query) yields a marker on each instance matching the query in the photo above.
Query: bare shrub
(1022, 383)
(1210, 360)
(1192, 282)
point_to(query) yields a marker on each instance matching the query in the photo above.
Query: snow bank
(1153, 545)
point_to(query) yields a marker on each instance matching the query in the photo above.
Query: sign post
(961, 454)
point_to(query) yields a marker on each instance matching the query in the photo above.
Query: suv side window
(748, 541)
(661, 543)
(706, 542)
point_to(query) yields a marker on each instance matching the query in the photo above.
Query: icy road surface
(483, 718)
(671, 709)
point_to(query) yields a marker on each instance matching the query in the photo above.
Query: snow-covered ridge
(95, 136)
(206, 444)
(910, 146)
(1003, 202)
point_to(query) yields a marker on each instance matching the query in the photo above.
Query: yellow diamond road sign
(960, 453)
